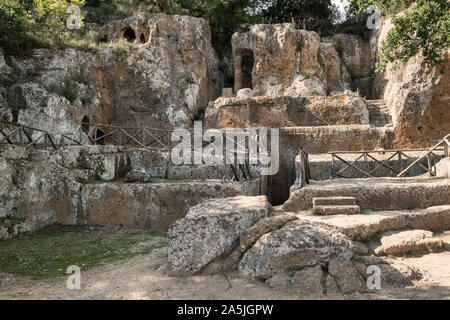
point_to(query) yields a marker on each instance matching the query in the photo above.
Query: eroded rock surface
(272, 58)
(297, 245)
(285, 252)
(418, 98)
(211, 230)
(394, 243)
(160, 80)
(286, 111)
(97, 185)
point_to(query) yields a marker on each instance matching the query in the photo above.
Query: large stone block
(299, 244)
(286, 111)
(152, 206)
(210, 231)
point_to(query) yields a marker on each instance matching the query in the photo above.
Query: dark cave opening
(129, 35)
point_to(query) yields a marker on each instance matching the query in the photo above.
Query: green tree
(314, 15)
(386, 6)
(27, 23)
(15, 22)
(424, 28)
(224, 17)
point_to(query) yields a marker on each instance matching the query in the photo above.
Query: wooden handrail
(443, 141)
(336, 172)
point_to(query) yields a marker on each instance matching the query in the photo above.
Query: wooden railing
(98, 134)
(446, 146)
(13, 133)
(367, 156)
(147, 138)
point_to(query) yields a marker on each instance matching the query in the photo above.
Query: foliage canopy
(424, 26)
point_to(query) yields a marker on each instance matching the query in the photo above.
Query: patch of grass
(124, 46)
(48, 252)
(360, 259)
(87, 42)
(308, 74)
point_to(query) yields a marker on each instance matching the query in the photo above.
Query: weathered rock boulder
(303, 258)
(286, 111)
(250, 236)
(274, 55)
(210, 231)
(36, 191)
(297, 245)
(284, 251)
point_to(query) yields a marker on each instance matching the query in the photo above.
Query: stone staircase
(393, 233)
(379, 115)
(407, 241)
(335, 206)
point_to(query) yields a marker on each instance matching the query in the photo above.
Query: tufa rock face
(286, 111)
(39, 193)
(276, 55)
(358, 54)
(211, 230)
(160, 81)
(418, 98)
(85, 185)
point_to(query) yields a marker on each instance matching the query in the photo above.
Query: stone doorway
(244, 63)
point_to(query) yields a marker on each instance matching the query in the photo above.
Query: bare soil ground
(140, 278)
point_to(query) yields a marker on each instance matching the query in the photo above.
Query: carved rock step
(328, 210)
(367, 225)
(401, 242)
(337, 201)
(378, 113)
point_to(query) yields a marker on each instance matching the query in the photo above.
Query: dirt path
(139, 278)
